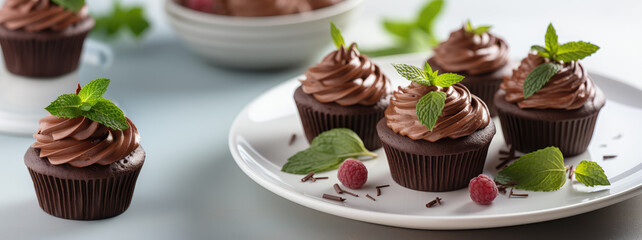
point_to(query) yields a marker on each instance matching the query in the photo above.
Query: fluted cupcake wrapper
(439, 173)
(84, 199)
(43, 55)
(316, 120)
(571, 136)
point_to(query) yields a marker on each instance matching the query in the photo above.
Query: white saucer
(260, 135)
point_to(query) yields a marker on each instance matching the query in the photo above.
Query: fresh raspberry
(352, 173)
(482, 189)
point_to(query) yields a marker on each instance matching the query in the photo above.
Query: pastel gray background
(190, 187)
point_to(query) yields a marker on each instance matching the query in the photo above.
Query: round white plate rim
(423, 222)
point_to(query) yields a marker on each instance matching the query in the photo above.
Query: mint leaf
(542, 170)
(430, 107)
(447, 79)
(108, 114)
(551, 39)
(538, 77)
(412, 73)
(478, 30)
(121, 18)
(337, 38)
(93, 91)
(573, 51)
(327, 151)
(71, 5)
(591, 174)
(65, 106)
(398, 28)
(541, 50)
(428, 14)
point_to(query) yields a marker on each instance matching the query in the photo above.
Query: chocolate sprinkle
(570, 171)
(344, 191)
(378, 192)
(515, 195)
(332, 197)
(606, 157)
(501, 189)
(433, 202)
(320, 178)
(307, 177)
(292, 139)
(510, 156)
(368, 196)
(383, 186)
(337, 189)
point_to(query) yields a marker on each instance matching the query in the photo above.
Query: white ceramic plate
(259, 143)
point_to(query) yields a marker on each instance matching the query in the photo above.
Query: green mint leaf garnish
(327, 151)
(567, 52)
(93, 91)
(90, 103)
(591, 174)
(447, 79)
(108, 114)
(71, 5)
(412, 73)
(415, 35)
(476, 30)
(551, 39)
(542, 170)
(573, 51)
(119, 18)
(430, 107)
(337, 38)
(65, 106)
(538, 77)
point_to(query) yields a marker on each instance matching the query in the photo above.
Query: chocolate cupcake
(42, 39)
(345, 90)
(478, 55)
(84, 169)
(441, 157)
(550, 100)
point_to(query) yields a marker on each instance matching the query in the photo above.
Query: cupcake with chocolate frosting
(40, 38)
(478, 55)
(550, 99)
(435, 133)
(345, 90)
(86, 159)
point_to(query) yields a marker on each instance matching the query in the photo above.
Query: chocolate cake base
(89, 193)
(445, 165)
(44, 54)
(529, 129)
(483, 85)
(318, 117)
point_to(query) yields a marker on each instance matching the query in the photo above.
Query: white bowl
(259, 42)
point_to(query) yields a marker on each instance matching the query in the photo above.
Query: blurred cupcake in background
(478, 55)
(42, 38)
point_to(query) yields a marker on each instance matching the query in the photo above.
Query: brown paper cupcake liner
(43, 55)
(323, 117)
(438, 173)
(84, 199)
(571, 136)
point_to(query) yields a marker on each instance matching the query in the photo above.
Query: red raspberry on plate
(482, 189)
(352, 173)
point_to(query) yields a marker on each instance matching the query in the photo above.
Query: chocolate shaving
(337, 189)
(570, 171)
(501, 189)
(516, 195)
(617, 137)
(320, 178)
(433, 202)
(307, 177)
(606, 157)
(344, 191)
(383, 186)
(378, 192)
(78, 88)
(510, 156)
(368, 196)
(292, 139)
(332, 197)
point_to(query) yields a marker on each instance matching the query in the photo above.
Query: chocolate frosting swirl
(569, 89)
(347, 78)
(260, 8)
(38, 16)
(463, 113)
(81, 142)
(472, 54)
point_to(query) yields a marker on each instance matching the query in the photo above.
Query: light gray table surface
(191, 188)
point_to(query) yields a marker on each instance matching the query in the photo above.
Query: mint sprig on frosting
(479, 30)
(557, 54)
(71, 5)
(89, 103)
(431, 105)
(337, 38)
